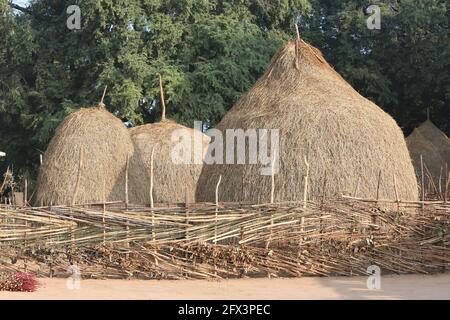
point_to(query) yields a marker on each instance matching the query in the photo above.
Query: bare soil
(392, 287)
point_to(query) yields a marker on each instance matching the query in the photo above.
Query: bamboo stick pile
(330, 237)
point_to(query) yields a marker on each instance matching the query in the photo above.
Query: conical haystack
(346, 139)
(439, 139)
(103, 141)
(434, 147)
(171, 182)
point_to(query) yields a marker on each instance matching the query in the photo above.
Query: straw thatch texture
(418, 146)
(321, 117)
(435, 136)
(105, 142)
(172, 183)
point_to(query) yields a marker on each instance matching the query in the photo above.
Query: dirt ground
(392, 287)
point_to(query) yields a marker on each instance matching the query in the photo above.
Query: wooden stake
(104, 210)
(378, 185)
(397, 199)
(217, 209)
(297, 48)
(422, 180)
(446, 183)
(25, 197)
(357, 187)
(126, 180)
(305, 192)
(151, 175)
(272, 176)
(163, 103)
(77, 185)
(101, 104)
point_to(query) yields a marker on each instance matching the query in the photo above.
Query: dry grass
(172, 182)
(321, 117)
(105, 144)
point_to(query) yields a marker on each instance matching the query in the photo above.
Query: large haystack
(105, 142)
(172, 182)
(321, 117)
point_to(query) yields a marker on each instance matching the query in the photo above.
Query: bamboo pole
(126, 180)
(272, 192)
(355, 192)
(77, 185)
(104, 210)
(446, 195)
(163, 103)
(305, 192)
(217, 209)
(397, 199)
(297, 48)
(422, 185)
(25, 197)
(152, 157)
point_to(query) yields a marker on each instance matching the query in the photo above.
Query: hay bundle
(104, 143)
(171, 182)
(434, 147)
(323, 119)
(436, 137)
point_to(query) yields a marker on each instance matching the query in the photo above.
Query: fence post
(217, 209)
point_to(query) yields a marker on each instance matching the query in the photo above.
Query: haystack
(434, 146)
(171, 182)
(104, 143)
(346, 139)
(435, 136)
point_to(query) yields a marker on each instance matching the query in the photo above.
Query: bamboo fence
(223, 240)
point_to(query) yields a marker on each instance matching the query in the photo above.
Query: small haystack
(346, 139)
(101, 141)
(170, 182)
(434, 146)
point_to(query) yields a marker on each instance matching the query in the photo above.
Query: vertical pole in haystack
(422, 184)
(126, 180)
(127, 243)
(41, 159)
(163, 103)
(397, 199)
(25, 196)
(305, 192)
(152, 204)
(216, 218)
(272, 196)
(104, 210)
(446, 184)
(297, 48)
(77, 184)
(440, 182)
(355, 192)
(374, 217)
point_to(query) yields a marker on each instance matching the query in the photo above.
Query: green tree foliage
(209, 52)
(403, 67)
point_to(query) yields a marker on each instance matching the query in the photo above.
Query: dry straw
(104, 143)
(319, 116)
(433, 162)
(170, 182)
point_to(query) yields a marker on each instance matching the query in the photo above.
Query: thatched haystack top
(418, 146)
(438, 138)
(105, 144)
(172, 182)
(321, 117)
